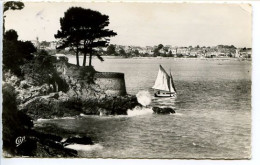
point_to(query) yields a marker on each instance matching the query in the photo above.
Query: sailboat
(164, 85)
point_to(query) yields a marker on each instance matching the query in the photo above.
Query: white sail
(162, 80)
(172, 87)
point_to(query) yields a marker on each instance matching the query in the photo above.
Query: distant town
(219, 51)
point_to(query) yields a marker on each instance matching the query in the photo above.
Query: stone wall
(111, 82)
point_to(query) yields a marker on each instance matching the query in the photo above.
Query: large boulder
(59, 104)
(17, 125)
(43, 146)
(78, 140)
(51, 106)
(110, 105)
(158, 110)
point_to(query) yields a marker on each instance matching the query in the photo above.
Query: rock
(24, 84)
(78, 140)
(118, 105)
(34, 146)
(17, 124)
(50, 149)
(14, 80)
(63, 90)
(63, 96)
(110, 105)
(159, 110)
(48, 108)
(103, 112)
(45, 89)
(54, 95)
(11, 78)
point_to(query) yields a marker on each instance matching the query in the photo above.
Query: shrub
(15, 123)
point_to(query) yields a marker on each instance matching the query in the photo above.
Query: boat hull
(164, 94)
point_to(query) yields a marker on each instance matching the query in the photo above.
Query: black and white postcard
(126, 80)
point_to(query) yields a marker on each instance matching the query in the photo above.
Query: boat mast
(173, 86)
(170, 82)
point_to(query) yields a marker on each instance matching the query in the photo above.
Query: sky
(145, 24)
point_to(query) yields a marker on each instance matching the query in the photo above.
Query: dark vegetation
(41, 70)
(17, 124)
(84, 35)
(14, 123)
(15, 52)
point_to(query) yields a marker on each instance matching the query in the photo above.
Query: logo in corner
(19, 140)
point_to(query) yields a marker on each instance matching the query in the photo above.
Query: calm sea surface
(212, 120)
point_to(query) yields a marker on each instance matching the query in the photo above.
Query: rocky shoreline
(20, 139)
(56, 89)
(65, 94)
(53, 90)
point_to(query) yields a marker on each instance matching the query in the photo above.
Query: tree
(166, 49)
(26, 48)
(12, 5)
(232, 47)
(156, 50)
(85, 30)
(111, 49)
(160, 46)
(170, 53)
(122, 52)
(15, 52)
(45, 43)
(136, 52)
(11, 35)
(70, 32)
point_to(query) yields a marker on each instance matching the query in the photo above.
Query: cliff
(18, 125)
(60, 89)
(51, 88)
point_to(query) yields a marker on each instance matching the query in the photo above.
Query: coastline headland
(51, 88)
(54, 90)
(75, 90)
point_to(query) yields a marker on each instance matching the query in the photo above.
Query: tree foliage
(83, 30)
(16, 52)
(160, 46)
(15, 123)
(11, 35)
(122, 52)
(156, 50)
(111, 49)
(136, 52)
(13, 5)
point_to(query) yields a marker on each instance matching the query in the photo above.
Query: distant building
(52, 45)
(36, 43)
(149, 50)
(244, 53)
(183, 50)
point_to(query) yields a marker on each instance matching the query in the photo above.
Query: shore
(56, 90)
(175, 58)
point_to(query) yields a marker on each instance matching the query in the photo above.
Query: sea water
(212, 119)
